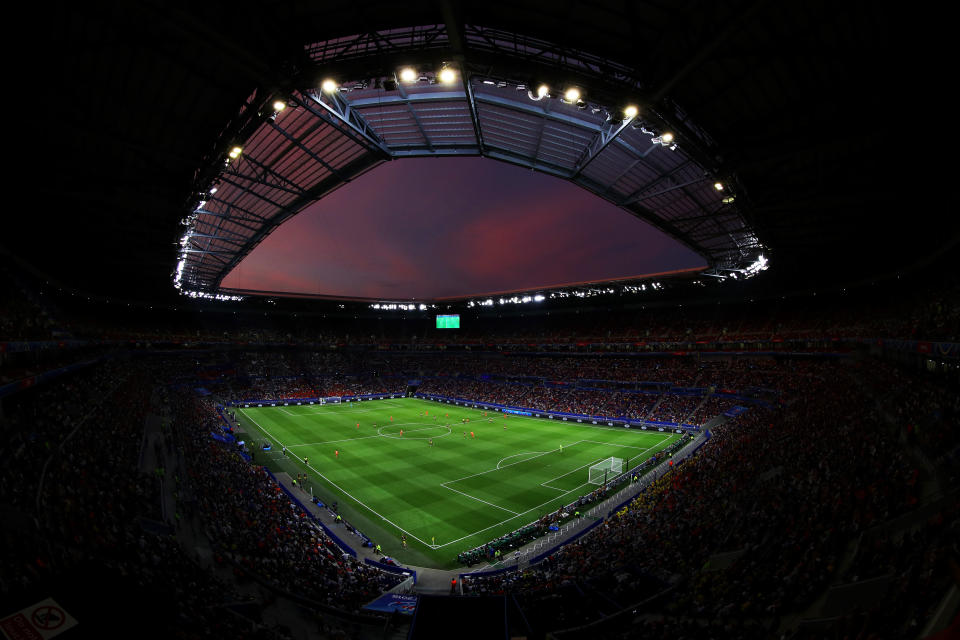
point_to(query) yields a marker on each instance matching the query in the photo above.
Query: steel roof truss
(607, 134)
(338, 110)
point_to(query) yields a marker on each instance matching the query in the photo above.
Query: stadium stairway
(660, 399)
(689, 416)
(434, 581)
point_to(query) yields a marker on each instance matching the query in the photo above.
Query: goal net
(605, 470)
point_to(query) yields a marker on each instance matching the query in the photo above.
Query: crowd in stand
(256, 528)
(79, 505)
(785, 492)
(927, 409)
(629, 405)
(36, 423)
(916, 567)
(711, 407)
(752, 528)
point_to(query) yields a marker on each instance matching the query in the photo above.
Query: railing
(594, 516)
(392, 568)
(336, 539)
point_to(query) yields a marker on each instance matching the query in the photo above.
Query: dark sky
(436, 227)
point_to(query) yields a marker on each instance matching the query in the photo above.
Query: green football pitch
(478, 480)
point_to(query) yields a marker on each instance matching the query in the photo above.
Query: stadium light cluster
(480, 303)
(623, 115)
(574, 95)
(760, 264)
(400, 306)
(489, 302)
(664, 139)
(222, 297)
(589, 292)
(446, 74)
(190, 222)
(641, 288)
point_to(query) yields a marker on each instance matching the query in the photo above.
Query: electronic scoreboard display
(448, 322)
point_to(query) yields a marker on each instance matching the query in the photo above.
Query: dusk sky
(439, 227)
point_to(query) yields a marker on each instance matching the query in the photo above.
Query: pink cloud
(423, 228)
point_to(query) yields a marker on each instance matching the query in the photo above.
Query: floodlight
(447, 75)
(667, 137)
(408, 74)
(572, 94)
(235, 152)
(718, 186)
(329, 86)
(631, 111)
(213, 190)
(728, 200)
(543, 90)
(279, 105)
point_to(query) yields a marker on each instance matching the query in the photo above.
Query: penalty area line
(444, 485)
(502, 522)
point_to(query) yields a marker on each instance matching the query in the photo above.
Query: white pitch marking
(444, 485)
(396, 424)
(341, 489)
(665, 437)
(519, 454)
(544, 484)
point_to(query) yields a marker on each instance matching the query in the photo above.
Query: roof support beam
(413, 114)
(605, 136)
(435, 96)
(260, 181)
(653, 183)
(313, 156)
(338, 112)
(452, 20)
(210, 252)
(259, 196)
(647, 196)
(268, 171)
(480, 97)
(228, 218)
(212, 236)
(472, 103)
(231, 205)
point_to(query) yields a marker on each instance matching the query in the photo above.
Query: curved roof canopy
(473, 92)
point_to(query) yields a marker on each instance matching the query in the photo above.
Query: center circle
(425, 432)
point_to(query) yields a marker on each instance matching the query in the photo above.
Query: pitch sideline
(665, 438)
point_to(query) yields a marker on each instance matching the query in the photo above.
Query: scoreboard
(448, 321)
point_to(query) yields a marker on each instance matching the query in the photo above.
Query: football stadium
(479, 320)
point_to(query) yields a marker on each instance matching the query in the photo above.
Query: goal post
(605, 470)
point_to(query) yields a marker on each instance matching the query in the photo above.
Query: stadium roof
(785, 101)
(321, 140)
